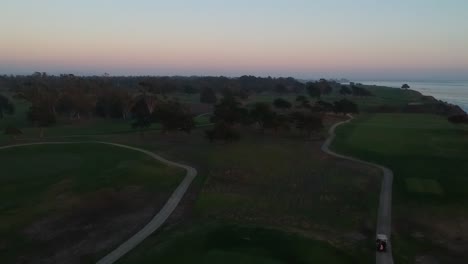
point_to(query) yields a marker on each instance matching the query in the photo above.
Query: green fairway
(429, 157)
(236, 244)
(92, 182)
(414, 146)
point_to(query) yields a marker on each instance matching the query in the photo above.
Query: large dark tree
(314, 90)
(282, 104)
(360, 91)
(323, 106)
(405, 86)
(141, 115)
(307, 122)
(303, 102)
(173, 116)
(345, 106)
(6, 106)
(41, 116)
(263, 116)
(222, 131)
(345, 90)
(208, 96)
(229, 111)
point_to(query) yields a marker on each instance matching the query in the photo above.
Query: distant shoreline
(451, 92)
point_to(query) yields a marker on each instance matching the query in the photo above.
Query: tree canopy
(6, 106)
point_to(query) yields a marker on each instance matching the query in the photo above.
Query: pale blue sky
(360, 39)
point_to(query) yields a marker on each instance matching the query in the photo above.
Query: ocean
(454, 92)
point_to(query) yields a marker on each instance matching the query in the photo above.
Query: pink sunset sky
(353, 39)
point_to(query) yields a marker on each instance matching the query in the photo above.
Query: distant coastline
(453, 92)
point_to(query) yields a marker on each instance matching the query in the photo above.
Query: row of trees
(75, 98)
(229, 114)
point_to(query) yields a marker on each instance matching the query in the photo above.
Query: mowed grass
(422, 150)
(429, 157)
(210, 244)
(48, 180)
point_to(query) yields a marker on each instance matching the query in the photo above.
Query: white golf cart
(381, 242)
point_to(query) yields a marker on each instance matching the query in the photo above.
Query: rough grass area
(68, 203)
(418, 185)
(236, 244)
(274, 180)
(429, 157)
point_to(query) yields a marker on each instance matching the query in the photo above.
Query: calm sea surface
(455, 92)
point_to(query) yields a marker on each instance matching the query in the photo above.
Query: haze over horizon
(360, 40)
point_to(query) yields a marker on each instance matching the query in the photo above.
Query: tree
(307, 122)
(229, 111)
(303, 102)
(324, 86)
(6, 106)
(360, 91)
(222, 131)
(280, 88)
(141, 116)
(314, 90)
(41, 116)
(262, 115)
(173, 116)
(405, 86)
(208, 96)
(345, 90)
(282, 104)
(189, 89)
(323, 106)
(345, 106)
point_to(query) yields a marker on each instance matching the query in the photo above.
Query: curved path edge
(159, 219)
(385, 200)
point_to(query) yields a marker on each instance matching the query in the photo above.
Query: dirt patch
(91, 225)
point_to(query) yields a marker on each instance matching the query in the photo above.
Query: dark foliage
(208, 96)
(141, 114)
(6, 106)
(360, 91)
(307, 122)
(229, 111)
(345, 90)
(173, 116)
(281, 103)
(323, 106)
(458, 119)
(345, 106)
(405, 86)
(314, 90)
(222, 131)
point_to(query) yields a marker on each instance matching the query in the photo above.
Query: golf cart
(381, 242)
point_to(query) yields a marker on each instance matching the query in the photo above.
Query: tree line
(145, 100)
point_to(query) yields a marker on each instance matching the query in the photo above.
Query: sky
(355, 39)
